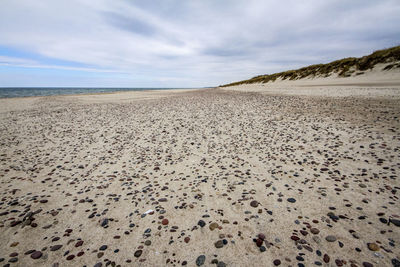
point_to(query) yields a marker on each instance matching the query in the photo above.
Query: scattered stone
(254, 203)
(138, 253)
(219, 244)
(200, 260)
(36, 255)
(373, 246)
(330, 238)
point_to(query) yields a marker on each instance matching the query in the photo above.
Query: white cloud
(195, 42)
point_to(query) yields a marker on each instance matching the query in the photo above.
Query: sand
(262, 177)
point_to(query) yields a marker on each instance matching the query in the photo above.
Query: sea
(7, 92)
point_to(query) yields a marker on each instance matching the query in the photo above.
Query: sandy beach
(254, 175)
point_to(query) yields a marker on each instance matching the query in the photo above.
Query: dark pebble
(55, 247)
(367, 264)
(254, 203)
(277, 262)
(396, 263)
(70, 257)
(138, 253)
(36, 255)
(200, 260)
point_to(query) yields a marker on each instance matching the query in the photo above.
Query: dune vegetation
(345, 67)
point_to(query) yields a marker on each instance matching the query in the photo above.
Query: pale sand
(209, 153)
(373, 83)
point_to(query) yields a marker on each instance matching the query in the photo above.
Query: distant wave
(7, 92)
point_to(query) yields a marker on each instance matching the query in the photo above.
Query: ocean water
(6, 92)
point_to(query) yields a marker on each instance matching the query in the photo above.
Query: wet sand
(201, 178)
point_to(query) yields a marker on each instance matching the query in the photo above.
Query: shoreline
(111, 92)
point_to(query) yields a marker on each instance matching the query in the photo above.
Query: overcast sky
(167, 43)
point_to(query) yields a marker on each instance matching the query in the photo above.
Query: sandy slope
(373, 83)
(318, 176)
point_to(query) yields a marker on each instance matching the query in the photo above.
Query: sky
(171, 43)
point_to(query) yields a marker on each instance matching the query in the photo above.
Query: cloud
(189, 43)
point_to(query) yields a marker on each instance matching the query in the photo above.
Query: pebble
(138, 253)
(219, 244)
(254, 203)
(213, 226)
(55, 247)
(330, 238)
(201, 223)
(200, 260)
(395, 263)
(291, 200)
(36, 255)
(164, 222)
(277, 262)
(70, 257)
(373, 246)
(367, 264)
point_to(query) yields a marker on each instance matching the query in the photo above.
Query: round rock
(330, 238)
(200, 260)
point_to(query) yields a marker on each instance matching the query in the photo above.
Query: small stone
(36, 255)
(55, 247)
(291, 200)
(314, 231)
(213, 225)
(164, 222)
(147, 242)
(330, 238)
(277, 262)
(395, 222)
(221, 264)
(99, 264)
(138, 253)
(295, 238)
(201, 223)
(395, 262)
(200, 260)
(79, 243)
(104, 223)
(70, 257)
(326, 258)
(367, 264)
(373, 246)
(254, 203)
(14, 244)
(219, 244)
(103, 247)
(187, 239)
